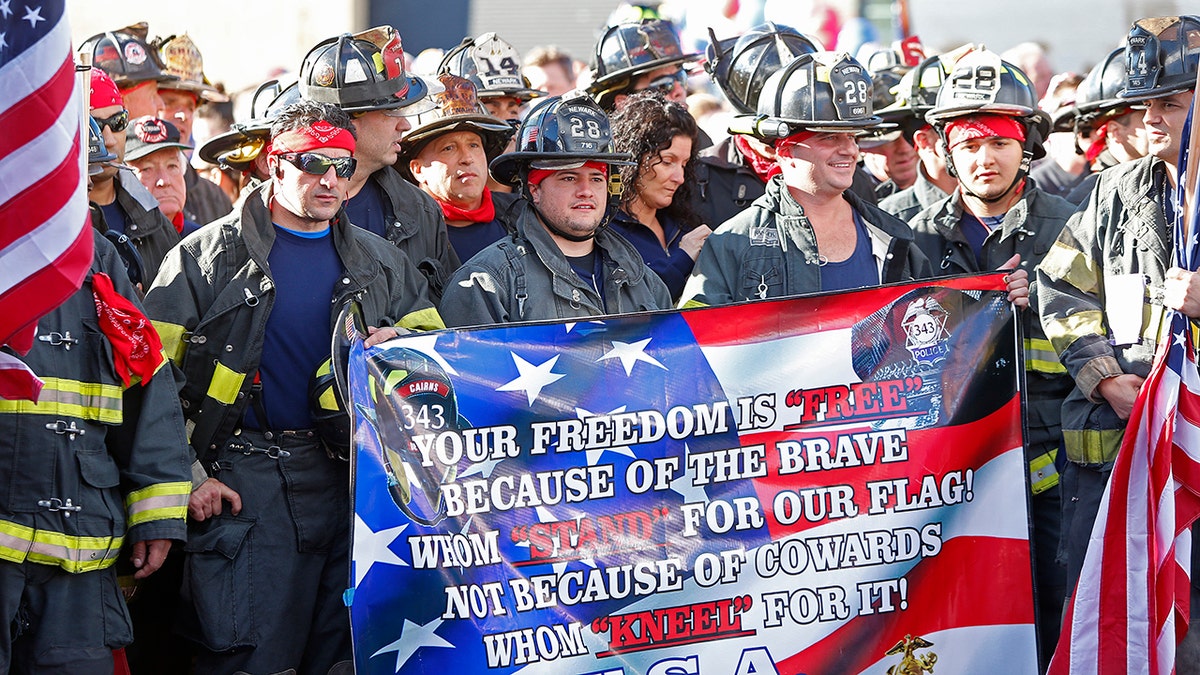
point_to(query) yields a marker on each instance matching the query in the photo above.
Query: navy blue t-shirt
(368, 210)
(114, 217)
(857, 271)
(976, 230)
(471, 239)
(306, 268)
(590, 268)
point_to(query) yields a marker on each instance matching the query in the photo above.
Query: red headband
(320, 135)
(104, 92)
(536, 176)
(798, 137)
(983, 126)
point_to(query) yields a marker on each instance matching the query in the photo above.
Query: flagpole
(83, 74)
(1188, 179)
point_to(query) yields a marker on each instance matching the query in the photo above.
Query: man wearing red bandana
(991, 129)
(246, 309)
(561, 260)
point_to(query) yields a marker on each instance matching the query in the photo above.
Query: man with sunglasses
(122, 209)
(632, 57)
(364, 75)
(245, 308)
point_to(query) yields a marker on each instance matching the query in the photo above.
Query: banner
(817, 485)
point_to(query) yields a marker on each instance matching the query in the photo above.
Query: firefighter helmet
(182, 59)
(741, 65)
(240, 146)
(628, 50)
(560, 132)
(492, 65)
(360, 72)
(822, 91)
(126, 56)
(1161, 57)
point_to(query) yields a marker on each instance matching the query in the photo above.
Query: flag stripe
(47, 243)
(30, 70)
(34, 115)
(51, 284)
(22, 217)
(23, 167)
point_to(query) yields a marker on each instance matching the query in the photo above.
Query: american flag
(1131, 605)
(45, 236)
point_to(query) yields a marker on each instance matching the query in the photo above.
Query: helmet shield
(1161, 56)
(492, 65)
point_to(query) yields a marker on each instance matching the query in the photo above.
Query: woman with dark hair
(655, 213)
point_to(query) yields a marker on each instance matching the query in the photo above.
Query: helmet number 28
(856, 91)
(581, 128)
(977, 78)
(425, 417)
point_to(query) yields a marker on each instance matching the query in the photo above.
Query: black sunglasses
(666, 83)
(318, 165)
(118, 122)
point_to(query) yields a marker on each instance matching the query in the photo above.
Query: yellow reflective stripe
(172, 339)
(93, 401)
(1043, 475)
(1065, 330)
(1092, 446)
(693, 303)
(328, 400)
(19, 543)
(164, 501)
(1072, 266)
(1041, 357)
(422, 319)
(225, 384)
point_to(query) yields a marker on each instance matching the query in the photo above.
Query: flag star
(532, 378)
(3, 42)
(570, 326)
(413, 637)
(685, 484)
(4, 9)
(427, 343)
(630, 353)
(32, 16)
(593, 456)
(371, 547)
(1179, 339)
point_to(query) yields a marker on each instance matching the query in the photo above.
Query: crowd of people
(202, 533)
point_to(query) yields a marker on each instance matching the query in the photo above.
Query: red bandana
(983, 126)
(1098, 144)
(486, 212)
(538, 175)
(320, 135)
(763, 167)
(137, 349)
(104, 92)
